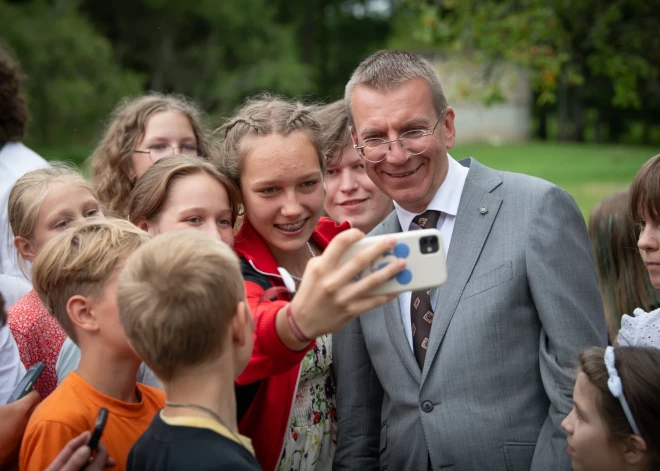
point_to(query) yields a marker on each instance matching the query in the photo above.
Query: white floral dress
(310, 439)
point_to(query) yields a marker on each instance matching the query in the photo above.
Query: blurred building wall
(464, 83)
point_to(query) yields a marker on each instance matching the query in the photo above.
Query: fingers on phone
(339, 244)
(362, 260)
(364, 285)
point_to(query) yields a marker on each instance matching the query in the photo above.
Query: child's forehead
(649, 213)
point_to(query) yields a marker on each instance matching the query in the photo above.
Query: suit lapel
(471, 230)
(392, 312)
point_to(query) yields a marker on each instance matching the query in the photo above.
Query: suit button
(427, 406)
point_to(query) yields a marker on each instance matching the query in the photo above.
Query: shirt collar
(446, 199)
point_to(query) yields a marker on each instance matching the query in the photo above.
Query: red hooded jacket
(267, 386)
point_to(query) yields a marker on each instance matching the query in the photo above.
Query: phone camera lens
(429, 244)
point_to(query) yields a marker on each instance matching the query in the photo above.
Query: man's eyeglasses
(158, 151)
(414, 142)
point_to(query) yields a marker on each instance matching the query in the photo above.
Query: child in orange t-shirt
(75, 275)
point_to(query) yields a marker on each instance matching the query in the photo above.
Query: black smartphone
(93, 442)
(26, 384)
(101, 419)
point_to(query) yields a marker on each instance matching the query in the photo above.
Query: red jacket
(272, 368)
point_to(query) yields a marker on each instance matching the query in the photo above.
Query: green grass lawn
(588, 172)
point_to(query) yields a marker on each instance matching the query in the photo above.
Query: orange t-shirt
(72, 408)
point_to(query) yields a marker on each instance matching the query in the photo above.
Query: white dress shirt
(15, 161)
(446, 200)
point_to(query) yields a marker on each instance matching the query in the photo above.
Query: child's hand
(14, 418)
(329, 297)
(76, 454)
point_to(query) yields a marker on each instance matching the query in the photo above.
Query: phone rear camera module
(429, 244)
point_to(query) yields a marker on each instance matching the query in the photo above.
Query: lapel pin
(483, 210)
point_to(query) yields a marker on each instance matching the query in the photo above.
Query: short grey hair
(388, 69)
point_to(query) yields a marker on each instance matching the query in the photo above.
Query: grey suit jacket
(521, 301)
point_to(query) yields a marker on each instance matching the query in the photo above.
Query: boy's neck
(113, 376)
(211, 387)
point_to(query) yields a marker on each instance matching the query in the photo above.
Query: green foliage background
(83, 56)
(594, 66)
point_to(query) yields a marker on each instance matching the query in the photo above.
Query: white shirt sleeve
(11, 367)
(13, 288)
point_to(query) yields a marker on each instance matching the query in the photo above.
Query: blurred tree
(73, 80)
(333, 36)
(216, 52)
(584, 53)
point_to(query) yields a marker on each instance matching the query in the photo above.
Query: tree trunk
(562, 109)
(578, 116)
(542, 132)
(309, 32)
(598, 128)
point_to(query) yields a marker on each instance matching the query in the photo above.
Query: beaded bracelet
(297, 333)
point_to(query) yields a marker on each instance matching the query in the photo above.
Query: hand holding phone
(328, 296)
(26, 384)
(423, 251)
(75, 455)
(93, 442)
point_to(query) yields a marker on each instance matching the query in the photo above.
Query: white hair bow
(616, 388)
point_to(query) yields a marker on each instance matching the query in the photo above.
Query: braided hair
(263, 115)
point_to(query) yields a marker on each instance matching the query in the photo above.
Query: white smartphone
(424, 253)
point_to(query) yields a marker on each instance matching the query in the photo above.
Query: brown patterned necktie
(421, 311)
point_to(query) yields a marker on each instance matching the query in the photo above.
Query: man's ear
(449, 128)
(26, 248)
(239, 323)
(79, 309)
(635, 450)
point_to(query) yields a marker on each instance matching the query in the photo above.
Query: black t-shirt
(165, 447)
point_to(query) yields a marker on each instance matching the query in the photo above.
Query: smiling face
(62, 206)
(282, 188)
(163, 130)
(197, 202)
(589, 440)
(649, 248)
(352, 196)
(411, 181)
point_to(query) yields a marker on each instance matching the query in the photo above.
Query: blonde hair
(335, 133)
(261, 116)
(80, 261)
(622, 277)
(152, 190)
(110, 164)
(176, 297)
(28, 194)
(388, 69)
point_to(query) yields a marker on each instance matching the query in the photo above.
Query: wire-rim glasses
(414, 142)
(158, 151)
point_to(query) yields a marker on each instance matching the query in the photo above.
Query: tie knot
(427, 220)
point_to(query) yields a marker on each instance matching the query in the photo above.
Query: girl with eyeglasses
(142, 131)
(616, 410)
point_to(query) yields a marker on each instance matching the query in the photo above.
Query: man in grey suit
(476, 375)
